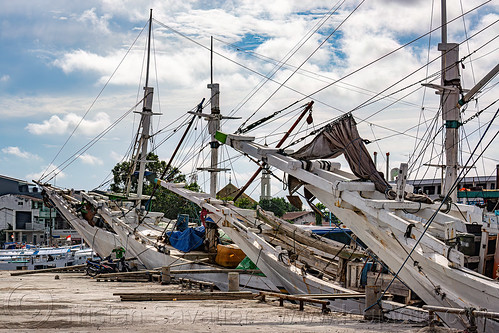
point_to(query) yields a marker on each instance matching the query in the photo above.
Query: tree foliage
(241, 202)
(279, 206)
(165, 201)
(326, 214)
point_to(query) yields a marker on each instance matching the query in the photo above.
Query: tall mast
(213, 127)
(449, 98)
(214, 119)
(145, 119)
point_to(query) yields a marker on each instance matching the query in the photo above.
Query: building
(304, 217)
(433, 187)
(20, 219)
(230, 191)
(24, 218)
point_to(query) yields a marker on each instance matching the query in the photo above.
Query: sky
(73, 71)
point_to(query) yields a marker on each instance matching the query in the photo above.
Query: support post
(233, 281)
(375, 312)
(165, 275)
(387, 176)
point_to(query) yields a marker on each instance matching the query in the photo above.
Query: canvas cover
(342, 137)
(188, 240)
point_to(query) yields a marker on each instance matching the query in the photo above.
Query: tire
(91, 271)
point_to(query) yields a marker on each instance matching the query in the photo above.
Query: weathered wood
(397, 288)
(305, 254)
(165, 275)
(334, 296)
(202, 284)
(233, 278)
(218, 270)
(188, 262)
(185, 296)
(51, 270)
(299, 299)
(373, 310)
(126, 274)
(307, 237)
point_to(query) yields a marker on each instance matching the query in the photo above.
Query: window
(429, 189)
(19, 203)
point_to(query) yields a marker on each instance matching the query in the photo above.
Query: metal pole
(387, 166)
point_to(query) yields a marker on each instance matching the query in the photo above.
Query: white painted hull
(152, 258)
(100, 240)
(374, 220)
(435, 283)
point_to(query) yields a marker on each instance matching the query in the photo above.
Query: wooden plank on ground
(170, 296)
(216, 270)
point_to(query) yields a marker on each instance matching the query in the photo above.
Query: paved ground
(76, 303)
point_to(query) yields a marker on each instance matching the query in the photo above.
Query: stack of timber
(313, 252)
(188, 283)
(137, 276)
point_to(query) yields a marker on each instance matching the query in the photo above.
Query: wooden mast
(145, 118)
(449, 98)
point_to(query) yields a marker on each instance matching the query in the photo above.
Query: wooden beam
(299, 299)
(51, 270)
(185, 296)
(307, 237)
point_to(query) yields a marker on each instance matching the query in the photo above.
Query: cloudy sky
(71, 72)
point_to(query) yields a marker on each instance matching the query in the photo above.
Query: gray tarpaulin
(342, 137)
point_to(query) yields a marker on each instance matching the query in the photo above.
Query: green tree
(326, 214)
(279, 206)
(242, 202)
(165, 201)
(172, 204)
(245, 203)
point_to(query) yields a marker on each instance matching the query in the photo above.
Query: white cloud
(47, 173)
(98, 23)
(89, 159)
(118, 158)
(16, 151)
(66, 124)
(86, 41)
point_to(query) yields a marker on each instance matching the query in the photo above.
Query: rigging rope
(330, 13)
(87, 146)
(464, 171)
(44, 175)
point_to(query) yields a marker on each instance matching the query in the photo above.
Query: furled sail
(342, 137)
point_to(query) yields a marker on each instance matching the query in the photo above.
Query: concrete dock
(76, 303)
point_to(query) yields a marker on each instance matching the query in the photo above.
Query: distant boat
(47, 257)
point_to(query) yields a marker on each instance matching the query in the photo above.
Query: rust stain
(306, 284)
(382, 243)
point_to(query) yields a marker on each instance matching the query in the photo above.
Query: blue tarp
(187, 240)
